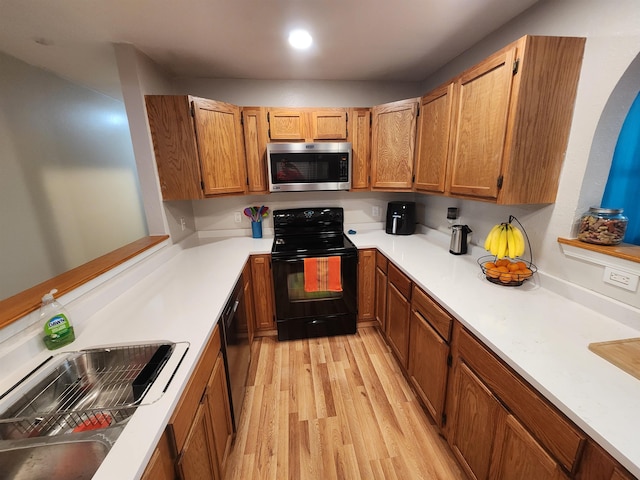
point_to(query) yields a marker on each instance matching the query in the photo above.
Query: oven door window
(292, 301)
(297, 293)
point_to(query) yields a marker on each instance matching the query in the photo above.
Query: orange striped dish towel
(322, 274)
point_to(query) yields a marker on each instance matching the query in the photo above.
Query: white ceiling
(394, 40)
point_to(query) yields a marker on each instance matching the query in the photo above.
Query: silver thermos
(458, 244)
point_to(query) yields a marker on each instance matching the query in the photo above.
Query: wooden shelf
(27, 301)
(624, 251)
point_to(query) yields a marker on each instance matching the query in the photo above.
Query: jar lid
(606, 211)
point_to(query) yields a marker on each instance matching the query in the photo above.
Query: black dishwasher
(236, 349)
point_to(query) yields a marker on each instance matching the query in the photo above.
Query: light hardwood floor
(334, 408)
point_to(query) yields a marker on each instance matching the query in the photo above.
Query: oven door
(305, 314)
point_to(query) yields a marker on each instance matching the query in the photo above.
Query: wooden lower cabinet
(398, 313)
(428, 364)
(366, 285)
(381, 290)
(262, 286)
(195, 460)
(200, 427)
(160, 466)
(498, 426)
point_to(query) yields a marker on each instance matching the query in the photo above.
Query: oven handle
(297, 258)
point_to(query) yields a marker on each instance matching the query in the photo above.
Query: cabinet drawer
(399, 280)
(184, 413)
(557, 434)
(432, 312)
(381, 262)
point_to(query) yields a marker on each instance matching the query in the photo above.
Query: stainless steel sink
(62, 457)
(61, 420)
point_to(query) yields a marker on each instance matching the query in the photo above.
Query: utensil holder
(256, 229)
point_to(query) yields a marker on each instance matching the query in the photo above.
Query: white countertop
(542, 335)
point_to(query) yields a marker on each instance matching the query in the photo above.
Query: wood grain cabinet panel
(198, 145)
(434, 126)
(161, 465)
(393, 139)
(329, 124)
(511, 120)
(195, 462)
(217, 401)
(428, 362)
(398, 313)
(366, 285)
(263, 301)
(254, 125)
(475, 415)
(360, 138)
(307, 124)
(381, 290)
(516, 455)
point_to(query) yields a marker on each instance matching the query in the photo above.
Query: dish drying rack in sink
(83, 390)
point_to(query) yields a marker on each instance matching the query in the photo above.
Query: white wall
(68, 183)
(612, 30)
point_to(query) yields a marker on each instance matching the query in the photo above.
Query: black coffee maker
(401, 218)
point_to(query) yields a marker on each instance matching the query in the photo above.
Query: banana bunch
(505, 240)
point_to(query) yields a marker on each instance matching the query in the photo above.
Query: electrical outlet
(375, 211)
(182, 223)
(620, 278)
(237, 217)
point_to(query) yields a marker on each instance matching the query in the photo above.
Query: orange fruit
(502, 269)
(521, 265)
(493, 273)
(513, 266)
(489, 265)
(526, 273)
(503, 262)
(506, 277)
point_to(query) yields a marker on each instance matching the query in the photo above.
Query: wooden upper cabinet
(434, 126)
(198, 145)
(307, 124)
(481, 126)
(254, 123)
(329, 124)
(286, 124)
(221, 146)
(512, 116)
(360, 138)
(393, 138)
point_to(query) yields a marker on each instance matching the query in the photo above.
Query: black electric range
(306, 233)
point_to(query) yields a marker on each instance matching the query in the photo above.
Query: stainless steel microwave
(299, 167)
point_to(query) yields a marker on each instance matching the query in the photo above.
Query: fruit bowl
(506, 272)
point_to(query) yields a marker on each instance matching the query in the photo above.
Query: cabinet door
(433, 139)
(220, 412)
(174, 146)
(329, 124)
(482, 107)
(286, 124)
(381, 297)
(255, 145)
(398, 311)
(517, 455)
(249, 310)
(475, 415)
(262, 280)
(160, 466)
(393, 138)
(428, 368)
(366, 284)
(220, 146)
(360, 137)
(196, 461)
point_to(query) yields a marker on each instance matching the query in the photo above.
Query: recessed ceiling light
(300, 39)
